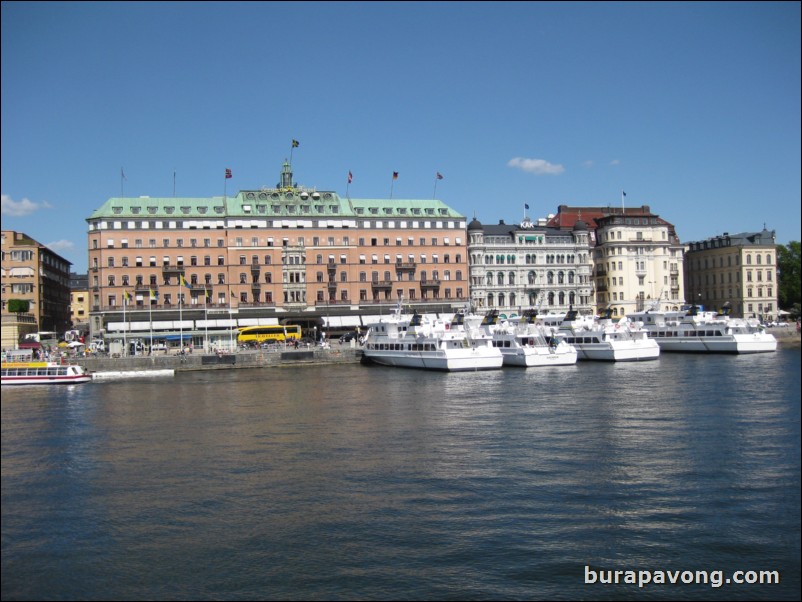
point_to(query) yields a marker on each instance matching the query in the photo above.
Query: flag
(526, 205)
(208, 294)
(153, 295)
(350, 177)
(228, 173)
(439, 176)
(183, 280)
(623, 193)
(233, 296)
(395, 175)
(295, 144)
(122, 174)
(127, 296)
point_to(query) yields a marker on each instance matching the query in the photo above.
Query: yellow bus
(265, 334)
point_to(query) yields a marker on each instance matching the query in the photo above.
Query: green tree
(789, 275)
(20, 306)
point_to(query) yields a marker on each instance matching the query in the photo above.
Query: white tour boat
(19, 368)
(694, 331)
(603, 339)
(528, 343)
(431, 343)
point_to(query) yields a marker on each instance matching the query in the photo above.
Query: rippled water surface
(355, 482)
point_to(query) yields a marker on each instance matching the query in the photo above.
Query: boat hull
(536, 358)
(46, 380)
(736, 345)
(611, 352)
(468, 360)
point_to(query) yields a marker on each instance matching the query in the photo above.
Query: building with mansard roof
(288, 254)
(735, 269)
(637, 257)
(530, 266)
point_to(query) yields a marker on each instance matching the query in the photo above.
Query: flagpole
(231, 321)
(623, 194)
(434, 192)
(150, 318)
(173, 183)
(206, 321)
(392, 183)
(122, 177)
(125, 323)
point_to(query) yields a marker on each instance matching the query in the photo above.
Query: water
(355, 482)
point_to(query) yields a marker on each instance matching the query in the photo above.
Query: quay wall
(211, 361)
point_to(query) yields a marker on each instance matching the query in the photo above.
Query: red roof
(567, 217)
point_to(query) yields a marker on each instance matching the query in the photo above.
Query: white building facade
(530, 266)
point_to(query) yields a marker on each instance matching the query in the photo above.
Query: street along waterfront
(355, 482)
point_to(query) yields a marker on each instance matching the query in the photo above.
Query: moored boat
(21, 369)
(429, 343)
(603, 339)
(695, 331)
(527, 343)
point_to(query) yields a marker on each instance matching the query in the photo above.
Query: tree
(789, 276)
(19, 306)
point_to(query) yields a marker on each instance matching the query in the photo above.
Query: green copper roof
(287, 202)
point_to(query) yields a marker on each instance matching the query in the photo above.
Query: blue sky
(691, 108)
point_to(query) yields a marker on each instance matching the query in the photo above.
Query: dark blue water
(355, 482)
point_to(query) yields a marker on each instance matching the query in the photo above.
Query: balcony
(405, 266)
(429, 284)
(382, 285)
(168, 269)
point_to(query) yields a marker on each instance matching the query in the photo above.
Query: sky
(690, 108)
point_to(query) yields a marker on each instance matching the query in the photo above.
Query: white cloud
(589, 163)
(615, 162)
(9, 206)
(536, 166)
(59, 246)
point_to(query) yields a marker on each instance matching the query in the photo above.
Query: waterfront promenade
(278, 357)
(271, 358)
